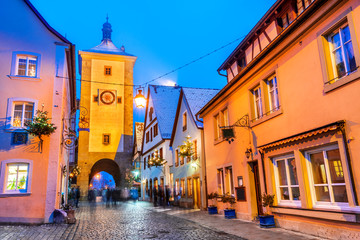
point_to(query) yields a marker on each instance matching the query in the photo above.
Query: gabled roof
(107, 46)
(197, 98)
(165, 99)
(62, 38)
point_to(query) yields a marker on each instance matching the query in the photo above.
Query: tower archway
(106, 165)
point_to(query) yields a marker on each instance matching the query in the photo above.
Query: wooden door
(257, 188)
(197, 195)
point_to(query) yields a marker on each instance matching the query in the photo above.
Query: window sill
(219, 140)
(26, 78)
(3, 195)
(327, 214)
(266, 118)
(15, 129)
(342, 81)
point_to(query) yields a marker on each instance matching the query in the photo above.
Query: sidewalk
(240, 228)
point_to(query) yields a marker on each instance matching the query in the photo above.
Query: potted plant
(212, 209)
(229, 212)
(267, 220)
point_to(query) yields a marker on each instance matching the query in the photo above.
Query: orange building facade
(292, 101)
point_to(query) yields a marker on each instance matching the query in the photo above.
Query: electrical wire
(165, 74)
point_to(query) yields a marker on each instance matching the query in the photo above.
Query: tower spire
(106, 29)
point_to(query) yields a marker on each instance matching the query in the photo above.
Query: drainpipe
(343, 133)
(204, 166)
(221, 73)
(263, 169)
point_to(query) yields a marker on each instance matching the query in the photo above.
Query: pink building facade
(37, 72)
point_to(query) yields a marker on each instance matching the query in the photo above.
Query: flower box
(229, 213)
(267, 221)
(212, 210)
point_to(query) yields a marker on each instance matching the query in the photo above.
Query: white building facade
(188, 173)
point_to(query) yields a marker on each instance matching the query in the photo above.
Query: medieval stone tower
(106, 111)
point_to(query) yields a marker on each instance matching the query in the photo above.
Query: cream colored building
(106, 111)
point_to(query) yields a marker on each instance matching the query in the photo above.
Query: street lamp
(140, 100)
(248, 153)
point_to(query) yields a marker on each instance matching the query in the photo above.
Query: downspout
(348, 160)
(263, 169)
(221, 73)
(204, 166)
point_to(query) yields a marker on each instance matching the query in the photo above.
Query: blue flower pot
(229, 213)
(212, 210)
(267, 221)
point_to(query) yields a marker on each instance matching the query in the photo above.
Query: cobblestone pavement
(125, 221)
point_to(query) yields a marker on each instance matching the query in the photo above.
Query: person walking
(167, 195)
(77, 196)
(155, 196)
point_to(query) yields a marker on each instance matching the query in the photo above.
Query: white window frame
(3, 177)
(281, 202)
(28, 55)
(257, 102)
(222, 181)
(225, 117)
(342, 45)
(322, 204)
(275, 91)
(10, 110)
(230, 178)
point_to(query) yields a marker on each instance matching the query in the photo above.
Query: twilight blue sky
(163, 34)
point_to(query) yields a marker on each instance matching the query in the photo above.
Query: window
(302, 5)
(181, 160)
(144, 163)
(286, 19)
(342, 52)
(182, 188)
(326, 176)
(156, 130)
(216, 127)
(16, 177)
(151, 134)
(151, 111)
(220, 181)
(106, 138)
(161, 153)
(195, 155)
(257, 102)
(22, 112)
(184, 121)
(271, 84)
(177, 187)
(107, 70)
(171, 186)
(176, 157)
(147, 137)
(225, 117)
(189, 187)
(148, 165)
(287, 185)
(229, 183)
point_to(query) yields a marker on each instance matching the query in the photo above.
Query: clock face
(107, 97)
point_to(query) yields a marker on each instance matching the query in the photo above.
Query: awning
(304, 135)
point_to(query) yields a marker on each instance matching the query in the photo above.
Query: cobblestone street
(124, 221)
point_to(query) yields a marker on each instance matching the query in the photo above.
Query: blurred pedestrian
(77, 196)
(167, 195)
(155, 198)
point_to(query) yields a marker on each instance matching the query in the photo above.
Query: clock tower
(106, 111)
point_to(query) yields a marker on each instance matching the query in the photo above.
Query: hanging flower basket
(40, 126)
(156, 161)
